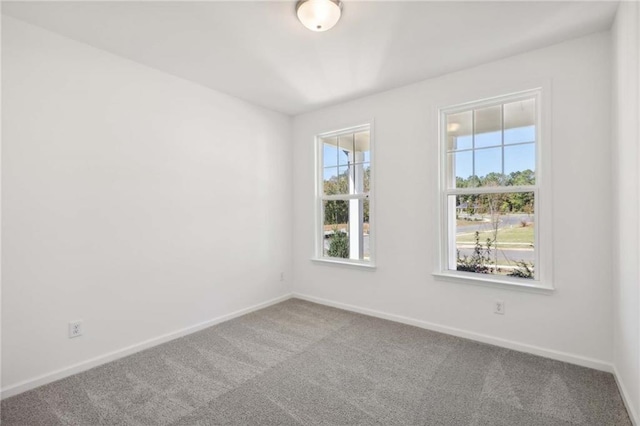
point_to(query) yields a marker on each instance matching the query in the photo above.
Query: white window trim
(543, 233)
(318, 256)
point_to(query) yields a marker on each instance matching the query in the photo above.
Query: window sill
(504, 283)
(346, 263)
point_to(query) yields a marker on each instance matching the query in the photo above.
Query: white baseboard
(505, 343)
(121, 353)
(633, 415)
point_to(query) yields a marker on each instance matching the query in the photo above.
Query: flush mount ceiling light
(319, 15)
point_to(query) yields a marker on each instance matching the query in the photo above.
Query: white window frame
(542, 280)
(320, 197)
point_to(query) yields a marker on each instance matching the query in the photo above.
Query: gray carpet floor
(302, 363)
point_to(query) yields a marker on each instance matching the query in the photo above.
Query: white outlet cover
(75, 329)
(499, 307)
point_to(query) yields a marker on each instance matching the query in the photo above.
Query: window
(490, 189)
(344, 196)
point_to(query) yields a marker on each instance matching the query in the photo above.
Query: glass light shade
(318, 15)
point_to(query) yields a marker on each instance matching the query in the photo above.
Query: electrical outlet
(499, 307)
(75, 329)
(281, 276)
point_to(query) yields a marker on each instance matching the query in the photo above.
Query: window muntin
(490, 188)
(344, 188)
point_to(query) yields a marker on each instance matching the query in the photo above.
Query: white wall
(131, 197)
(134, 200)
(626, 253)
(575, 322)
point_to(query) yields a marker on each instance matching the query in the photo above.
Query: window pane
(366, 250)
(336, 181)
(357, 177)
(462, 165)
(494, 234)
(346, 229)
(482, 140)
(346, 149)
(330, 177)
(329, 152)
(459, 131)
(336, 227)
(362, 147)
(520, 121)
(519, 159)
(488, 127)
(488, 166)
(520, 135)
(366, 169)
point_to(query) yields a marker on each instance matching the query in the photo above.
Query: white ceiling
(258, 51)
